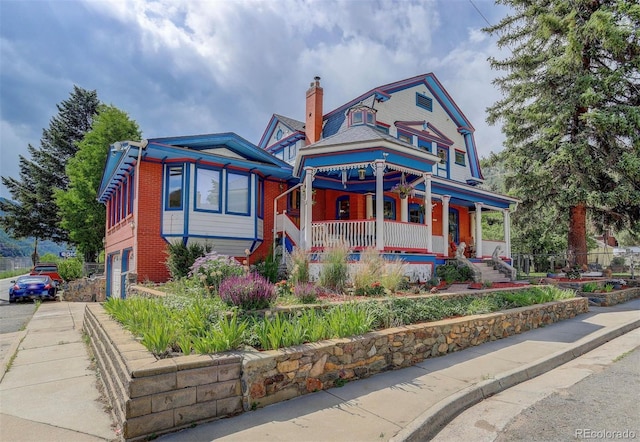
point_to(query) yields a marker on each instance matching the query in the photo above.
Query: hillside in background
(24, 247)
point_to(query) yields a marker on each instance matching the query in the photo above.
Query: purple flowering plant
(213, 268)
(248, 291)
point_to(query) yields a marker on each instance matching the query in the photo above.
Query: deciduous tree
(82, 215)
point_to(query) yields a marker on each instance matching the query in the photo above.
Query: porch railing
(362, 234)
(399, 235)
(283, 222)
(353, 233)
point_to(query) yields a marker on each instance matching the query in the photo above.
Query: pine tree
(82, 215)
(571, 110)
(33, 211)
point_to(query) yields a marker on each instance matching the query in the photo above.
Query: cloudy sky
(195, 67)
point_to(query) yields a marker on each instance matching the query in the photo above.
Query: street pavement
(50, 391)
(598, 391)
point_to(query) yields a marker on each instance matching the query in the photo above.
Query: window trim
(386, 199)
(248, 208)
(195, 193)
(260, 198)
(339, 200)
(167, 190)
(462, 154)
(402, 134)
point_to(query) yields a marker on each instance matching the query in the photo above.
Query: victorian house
(395, 168)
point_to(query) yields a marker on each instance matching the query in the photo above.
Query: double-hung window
(238, 195)
(174, 188)
(208, 189)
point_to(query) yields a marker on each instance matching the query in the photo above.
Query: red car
(49, 269)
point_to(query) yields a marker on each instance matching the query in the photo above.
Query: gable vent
(424, 102)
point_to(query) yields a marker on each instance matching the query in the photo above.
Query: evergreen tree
(82, 215)
(33, 211)
(571, 111)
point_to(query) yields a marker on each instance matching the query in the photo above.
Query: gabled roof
(294, 126)
(334, 119)
(429, 80)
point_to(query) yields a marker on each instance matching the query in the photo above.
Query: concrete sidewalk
(50, 391)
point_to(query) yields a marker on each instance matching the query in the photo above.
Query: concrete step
(491, 274)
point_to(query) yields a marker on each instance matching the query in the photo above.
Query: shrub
(214, 268)
(590, 287)
(181, 257)
(616, 261)
(306, 292)
(249, 292)
(70, 269)
(451, 272)
(334, 269)
(267, 267)
(51, 257)
(393, 275)
(368, 272)
(300, 266)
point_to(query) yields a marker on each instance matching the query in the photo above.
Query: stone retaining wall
(151, 396)
(611, 298)
(274, 376)
(85, 290)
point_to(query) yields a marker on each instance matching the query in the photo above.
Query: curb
(429, 423)
(13, 349)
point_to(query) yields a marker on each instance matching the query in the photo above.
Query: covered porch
(364, 188)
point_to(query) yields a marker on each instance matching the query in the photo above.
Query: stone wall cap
(144, 368)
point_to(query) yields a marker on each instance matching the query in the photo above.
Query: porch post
(507, 232)
(369, 205)
(445, 222)
(478, 230)
(428, 211)
(308, 205)
(404, 209)
(379, 170)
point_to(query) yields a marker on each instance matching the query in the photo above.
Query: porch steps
(489, 273)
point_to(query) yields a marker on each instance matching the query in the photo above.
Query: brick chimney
(313, 122)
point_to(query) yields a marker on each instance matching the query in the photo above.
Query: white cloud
(184, 67)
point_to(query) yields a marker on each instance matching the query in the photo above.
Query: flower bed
(607, 299)
(154, 396)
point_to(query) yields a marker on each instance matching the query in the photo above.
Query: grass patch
(623, 355)
(11, 273)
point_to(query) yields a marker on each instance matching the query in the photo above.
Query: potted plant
(403, 190)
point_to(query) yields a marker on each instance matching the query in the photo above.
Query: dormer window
(362, 115)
